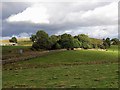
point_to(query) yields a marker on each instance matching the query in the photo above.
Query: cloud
(60, 0)
(57, 18)
(22, 35)
(34, 14)
(75, 13)
(95, 31)
(98, 16)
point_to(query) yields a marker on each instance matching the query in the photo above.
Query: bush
(85, 45)
(35, 46)
(56, 46)
(77, 43)
(13, 40)
(102, 47)
(94, 46)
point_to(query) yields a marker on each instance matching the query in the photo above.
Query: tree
(13, 39)
(35, 46)
(77, 43)
(33, 38)
(67, 41)
(108, 41)
(102, 46)
(115, 41)
(105, 44)
(42, 40)
(53, 39)
(83, 38)
(56, 46)
(85, 45)
(95, 42)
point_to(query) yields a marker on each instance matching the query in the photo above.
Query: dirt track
(11, 58)
(28, 66)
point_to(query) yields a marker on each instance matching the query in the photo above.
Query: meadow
(64, 69)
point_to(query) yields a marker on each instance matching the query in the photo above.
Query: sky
(97, 19)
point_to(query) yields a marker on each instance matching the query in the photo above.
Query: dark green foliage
(77, 43)
(35, 46)
(83, 38)
(106, 43)
(85, 45)
(67, 41)
(56, 46)
(53, 40)
(115, 41)
(42, 40)
(13, 39)
(95, 42)
(94, 45)
(33, 38)
(102, 46)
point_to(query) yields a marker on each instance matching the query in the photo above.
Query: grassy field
(20, 42)
(80, 68)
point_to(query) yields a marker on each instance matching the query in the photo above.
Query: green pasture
(76, 69)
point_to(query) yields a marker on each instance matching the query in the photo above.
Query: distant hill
(21, 42)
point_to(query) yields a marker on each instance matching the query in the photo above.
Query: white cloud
(108, 14)
(95, 31)
(59, 0)
(34, 14)
(22, 35)
(75, 13)
(94, 18)
(103, 15)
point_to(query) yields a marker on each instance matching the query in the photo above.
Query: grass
(75, 56)
(25, 43)
(21, 42)
(84, 76)
(82, 68)
(113, 48)
(8, 49)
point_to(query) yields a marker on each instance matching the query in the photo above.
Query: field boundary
(28, 66)
(12, 60)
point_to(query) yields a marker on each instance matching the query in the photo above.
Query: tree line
(41, 40)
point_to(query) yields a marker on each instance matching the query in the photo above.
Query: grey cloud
(10, 8)
(63, 17)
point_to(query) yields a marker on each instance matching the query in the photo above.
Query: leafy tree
(77, 43)
(102, 46)
(108, 41)
(95, 42)
(85, 45)
(13, 39)
(42, 40)
(33, 38)
(83, 38)
(105, 45)
(94, 45)
(115, 41)
(35, 46)
(67, 41)
(53, 39)
(56, 46)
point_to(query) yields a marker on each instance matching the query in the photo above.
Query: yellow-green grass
(20, 42)
(82, 76)
(81, 68)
